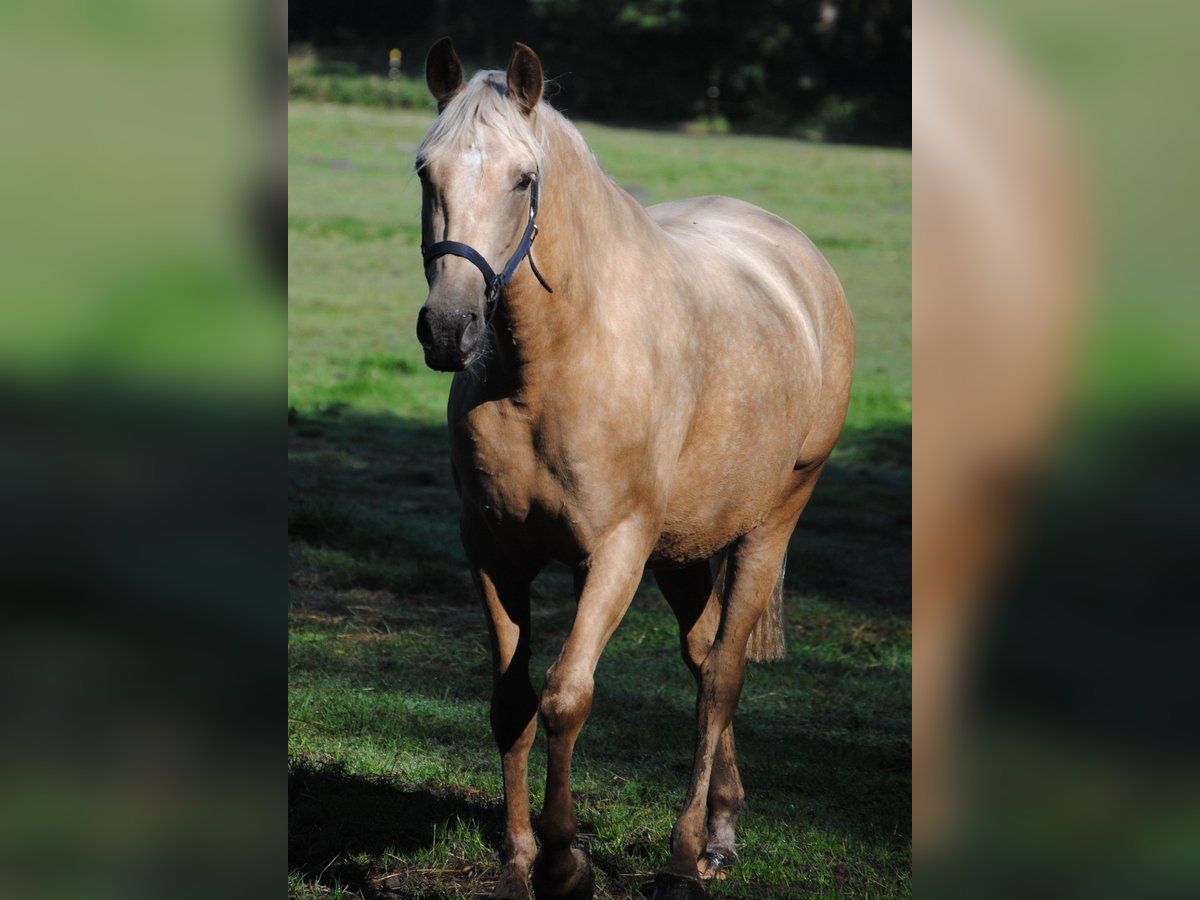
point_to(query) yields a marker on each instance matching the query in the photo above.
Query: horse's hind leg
(754, 562)
(504, 588)
(691, 593)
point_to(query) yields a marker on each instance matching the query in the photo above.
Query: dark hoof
(578, 885)
(677, 887)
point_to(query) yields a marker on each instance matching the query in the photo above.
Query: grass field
(394, 784)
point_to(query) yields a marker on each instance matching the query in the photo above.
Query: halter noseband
(495, 283)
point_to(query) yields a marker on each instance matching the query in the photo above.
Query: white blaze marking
(472, 158)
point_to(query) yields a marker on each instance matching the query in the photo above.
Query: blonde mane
(482, 112)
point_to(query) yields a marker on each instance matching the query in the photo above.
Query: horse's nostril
(424, 331)
(471, 328)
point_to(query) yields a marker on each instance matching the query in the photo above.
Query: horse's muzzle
(448, 338)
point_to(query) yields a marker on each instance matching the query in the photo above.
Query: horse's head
(478, 166)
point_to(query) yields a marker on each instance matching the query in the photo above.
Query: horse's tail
(766, 640)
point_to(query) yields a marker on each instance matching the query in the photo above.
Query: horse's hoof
(716, 863)
(580, 885)
(677, 887)
(509, 891)
(513, 883)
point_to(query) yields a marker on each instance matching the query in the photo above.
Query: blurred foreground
(1054, 477)
(142, 369)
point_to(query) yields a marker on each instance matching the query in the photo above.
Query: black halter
(495, 284)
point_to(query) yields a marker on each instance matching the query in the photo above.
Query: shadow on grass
(823, 736)
(853, 544)
(372, 506)
(335, 818)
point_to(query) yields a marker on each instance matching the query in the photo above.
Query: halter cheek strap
(495, 284)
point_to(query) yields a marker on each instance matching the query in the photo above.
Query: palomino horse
(661, 390)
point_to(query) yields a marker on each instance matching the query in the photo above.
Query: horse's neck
(589, 233)
(591, 225)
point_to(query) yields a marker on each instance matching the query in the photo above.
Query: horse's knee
(566, 701)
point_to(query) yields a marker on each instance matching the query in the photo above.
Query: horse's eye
(524, 181)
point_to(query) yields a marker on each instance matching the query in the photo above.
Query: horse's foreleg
(692, 596)
(605, 587)
(505, 594)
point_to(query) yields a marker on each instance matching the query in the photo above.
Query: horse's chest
(505, 475)
(496, 463)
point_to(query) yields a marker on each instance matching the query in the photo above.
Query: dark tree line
(785, 66)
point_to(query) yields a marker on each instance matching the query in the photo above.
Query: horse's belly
(677, 548)
(699, 533)
(726, 483)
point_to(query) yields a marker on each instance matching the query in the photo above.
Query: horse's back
(756, 274)
(697, 218)
(769, 320)
(745, 253)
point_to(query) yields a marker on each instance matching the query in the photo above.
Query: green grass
(339, 82)
(394, 785)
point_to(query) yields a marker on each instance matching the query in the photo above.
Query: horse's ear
(525, 78)
(443, 72)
